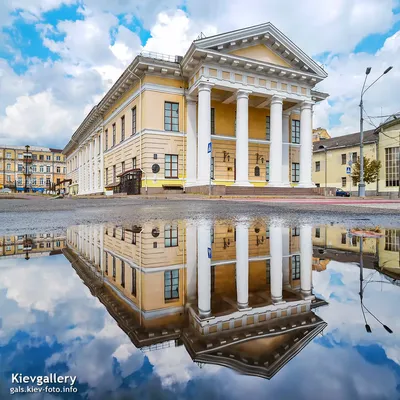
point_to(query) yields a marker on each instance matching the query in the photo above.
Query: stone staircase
(270, 191)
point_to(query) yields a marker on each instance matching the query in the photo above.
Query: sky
(59, 57)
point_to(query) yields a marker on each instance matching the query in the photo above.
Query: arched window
(257, 171)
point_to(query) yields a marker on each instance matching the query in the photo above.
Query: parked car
(342, 193)
(5, 190)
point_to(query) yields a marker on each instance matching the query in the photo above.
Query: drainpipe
(141, 127)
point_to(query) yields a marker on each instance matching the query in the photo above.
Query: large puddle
(205, 309)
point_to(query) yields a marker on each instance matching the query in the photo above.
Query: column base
(243, 307)
(306, 185)
(277, 300)
(191, 183)
(204, 314)
(276, 184)
(243, 183)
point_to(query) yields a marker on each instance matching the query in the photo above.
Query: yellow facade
(46, 167)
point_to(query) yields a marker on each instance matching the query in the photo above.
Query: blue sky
(58, 57)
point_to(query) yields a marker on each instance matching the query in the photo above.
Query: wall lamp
(259, 157)
(226, 156)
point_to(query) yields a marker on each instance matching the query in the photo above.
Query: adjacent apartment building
(43, 167)
(333, 159)
(236, 109)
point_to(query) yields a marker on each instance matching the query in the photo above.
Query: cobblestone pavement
(29, 214)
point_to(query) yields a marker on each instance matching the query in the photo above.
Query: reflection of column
(191, 260)
(286, 258)
(275, 234)
(191, 145)
(305, 259)
(242, 265)
(204, 269)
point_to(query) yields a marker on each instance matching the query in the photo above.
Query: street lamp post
(361, 186)
(26, 168)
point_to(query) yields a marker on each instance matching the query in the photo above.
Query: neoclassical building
(235, 110)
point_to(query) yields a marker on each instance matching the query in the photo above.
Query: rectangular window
(392, 166)
(133, 285)
(392, 240)
(114, 268)
(122, 128)
(106, 139)
(134, 162)
(344, 181)
(48, 168)
(268, 127)
(106, 262)
(171, 285)
(114, 134)
(267, 171)
(171, 236)
(295, 131)
(48, 181)
(295, 172)
(354, 157)
(123, 166)
(8, 168)
(268, 271)
(171, 166)
(122, 274)
(354, 240)
(19, 181)
(295, 267)
(8, 155)
(317, 166)
(171, 116)
(296, 231)
(41, 157)
(317, 232)
(133, 120)
(34, 168)
(114, 173)
(41, 181)
(212, 121)
(34, 156)
(34, 181)
(212, 168)
(20, 167)
(58, 170)
(20, 156)
(213, 278)
(48, 158)
(41, 168)
(8, 178)
(58, 158)
(106, 176)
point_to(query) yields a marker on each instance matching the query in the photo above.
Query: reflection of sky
(51, 323)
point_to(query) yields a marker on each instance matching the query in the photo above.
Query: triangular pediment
(260, 52)
(262, 43)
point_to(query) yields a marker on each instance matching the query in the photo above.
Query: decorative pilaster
(242, 138)
(275, 148)
(285, 149)
(306, 146)
(204, 133)
(191, 144)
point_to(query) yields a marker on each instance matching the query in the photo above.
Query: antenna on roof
(201, 36)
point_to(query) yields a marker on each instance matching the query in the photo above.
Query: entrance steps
(270, 191)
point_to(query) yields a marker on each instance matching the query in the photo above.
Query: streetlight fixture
(361, 186)
(326, 168)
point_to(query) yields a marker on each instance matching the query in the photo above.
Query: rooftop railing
(160, 56)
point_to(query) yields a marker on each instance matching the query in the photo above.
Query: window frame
(295, 137)
(171, 291)
(106, 139)
(212, 119)
(114, 134)
(296, 174)
(172, 238)
(344, 180)
(122, 128)
(170, 117)
(171, 169)
(317, 166)
(268, 127)
(134, 121)
(296, 267)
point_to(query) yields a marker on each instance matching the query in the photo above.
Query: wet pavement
(256, 305)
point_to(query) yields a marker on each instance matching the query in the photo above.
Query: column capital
(286, 114)
(243, 94)
(276, 99)
(205, 86)
(306, 105)
(191, 100)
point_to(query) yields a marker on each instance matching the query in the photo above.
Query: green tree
(371, 171)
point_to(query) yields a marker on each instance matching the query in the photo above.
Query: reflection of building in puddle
(32, 245)
(238, 296)
(336, 243)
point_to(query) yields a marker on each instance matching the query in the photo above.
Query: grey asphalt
(42, 214)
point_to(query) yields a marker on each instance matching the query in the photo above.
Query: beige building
(236, 109)
(238, 296)
(320, 134)
(333, 159)
(43, 168)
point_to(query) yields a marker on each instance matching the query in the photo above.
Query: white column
(91, 151)
(102, 160)
(204, 269)
(275, 240)
(306, 145)
(275, 148)
(242, 138)
(95, 166)
(191, 260)
(285, 149)
(191, 144)
(204, 134)
(242, 265)
(305, 259)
